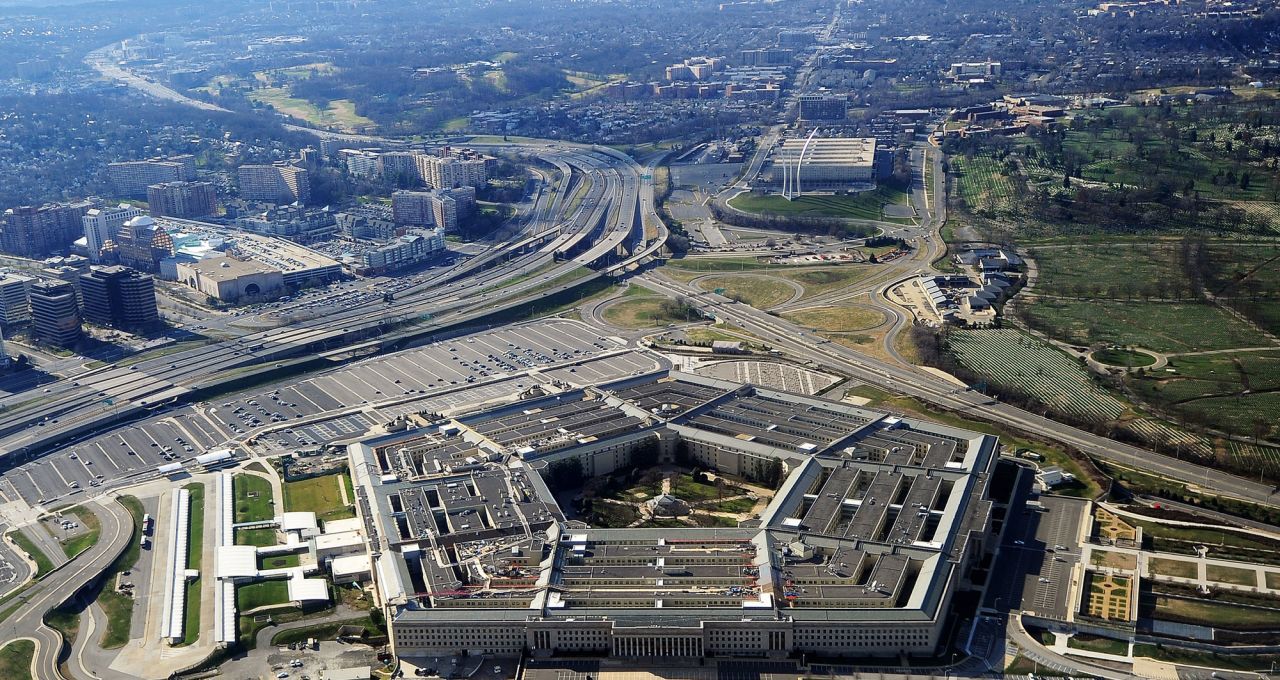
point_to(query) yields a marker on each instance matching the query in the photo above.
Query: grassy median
(195, 552)
(43, 564)
(118, 606)
(15, 660)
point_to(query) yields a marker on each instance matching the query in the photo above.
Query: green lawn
(866, 205)
(253, 498)
(195, 551)
(1232, 391)
(1116, 356)
(321, 495)
(261, 594)
(1207, 613)
(641, 312)
(1098, 644)
(15, 660)
(1171, 567)
(1161, 326)
(261, 538)
(838, 319)
(117, 606)
(43, 564)
(82, 542)
(1210, 660)
(280, 561)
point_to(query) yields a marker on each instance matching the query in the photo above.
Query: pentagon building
(876, 524)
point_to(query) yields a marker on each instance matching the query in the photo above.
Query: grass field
(760, 292)
(256, 537)
(118, 607)
(1206, 613)
(195, 554)
(15, 660)
(262, 594)
(1112, 270)
(1233, 575)
(1160, 326)
(43, 564)
(253, 498)
(819, 280)
(844, 319)
(279, 561)
(340, 112)
(1175, 568)
(1093, 643)
(78, 544)
(641, 312)
(321, 495)
(1118, 356)
(326, 631)
(1233, 391)
(866, 205)
(983, 183)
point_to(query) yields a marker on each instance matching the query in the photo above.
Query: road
(608, 221)
(62, 584)
(942, 394)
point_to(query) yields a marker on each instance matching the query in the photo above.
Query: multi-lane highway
(598, 233)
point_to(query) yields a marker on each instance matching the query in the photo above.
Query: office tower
(400, 164)
(55, 317)
(118, 296)
(182, 199)
(822, 107)
(102, 225)
(13, 298)
(444, 211)
(465, 196)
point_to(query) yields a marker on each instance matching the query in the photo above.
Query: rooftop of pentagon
(872, 519)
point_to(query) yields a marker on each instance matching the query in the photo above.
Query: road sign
(646, 176)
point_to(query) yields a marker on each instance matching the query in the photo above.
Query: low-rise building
(228, 279)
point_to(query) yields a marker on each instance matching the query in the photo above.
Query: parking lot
(441, 377)
(769, 374)
(1040, 550)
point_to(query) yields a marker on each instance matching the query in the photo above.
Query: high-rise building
(446, 172)
(118, 296)
(182, 199)
(14, 303)
(822, 107)
(360, 162)
(444, 211)
(36, 232)
(141, 244)
(392, 164)
(102, 225)
(412, 208)
(412, 248)
(277, 183)
(55, 317)
(465, 196)
(131, 178)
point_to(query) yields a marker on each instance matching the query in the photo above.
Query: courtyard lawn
(321, 495)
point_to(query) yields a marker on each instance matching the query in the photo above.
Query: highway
(940, 393)
(61, 585)
(605, 223)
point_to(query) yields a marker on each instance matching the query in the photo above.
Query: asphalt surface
(943, 394)
(61, 585)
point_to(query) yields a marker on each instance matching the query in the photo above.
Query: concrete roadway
(943, 394)
(61, 585)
